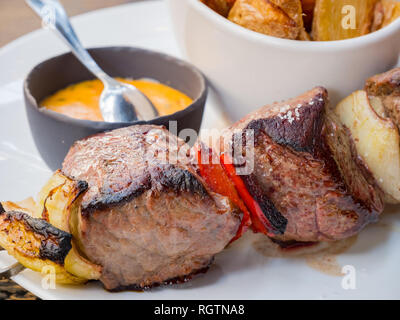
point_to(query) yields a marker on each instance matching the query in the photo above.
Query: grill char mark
(55, 243)
(302, 136)
(173, 281)
(162, 178)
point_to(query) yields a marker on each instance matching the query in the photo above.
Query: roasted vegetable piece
(293, 8)
(304, 35)
(36, 244)
(386, 88)
(63, 195)
(376, 138)
(266, 17)
(342, 19)
(386, 11)
(63, 201)
(308, 13)
(220, 6)
(27, 206)
(58, 202)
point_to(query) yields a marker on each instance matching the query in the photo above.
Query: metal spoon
(119, 102)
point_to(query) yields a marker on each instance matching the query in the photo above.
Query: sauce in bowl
(81, 100)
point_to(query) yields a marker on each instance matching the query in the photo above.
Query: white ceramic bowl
(250, 70)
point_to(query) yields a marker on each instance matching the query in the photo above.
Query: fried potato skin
(265, 17)
(329, 18)
(308, 13)
(292, 8)
(386, 11)
(220, 6)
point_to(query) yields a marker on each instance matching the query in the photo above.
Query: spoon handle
(54, 17)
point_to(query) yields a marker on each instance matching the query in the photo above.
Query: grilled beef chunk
(307, 178)
(386, 87)
(147, 217)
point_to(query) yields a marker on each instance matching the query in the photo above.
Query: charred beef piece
(386, 87)
(147, 218)
(307, 178)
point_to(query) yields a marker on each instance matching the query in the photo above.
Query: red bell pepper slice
(219, 182)
(259, 222)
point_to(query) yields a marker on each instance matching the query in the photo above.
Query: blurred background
(16, 18)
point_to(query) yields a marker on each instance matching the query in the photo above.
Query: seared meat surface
(147, 217)
(307, 178)
(386, 87)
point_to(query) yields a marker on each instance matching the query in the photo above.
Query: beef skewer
(151, 212)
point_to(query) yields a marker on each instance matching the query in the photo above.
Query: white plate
(240, 272)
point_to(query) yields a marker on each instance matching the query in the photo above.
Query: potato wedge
(308, 13)
(304, 35)
(36, 244)
(220, 6)
(265, 17)
(292, 8)
(377, 140)
(342, 19)
(386, 11)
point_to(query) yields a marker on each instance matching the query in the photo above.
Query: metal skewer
(10, 271)
(13, 270)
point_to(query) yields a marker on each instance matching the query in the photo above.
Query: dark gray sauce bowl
(54, 133)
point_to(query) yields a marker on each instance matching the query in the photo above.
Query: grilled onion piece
(25, 237)
(59, 197)
(36, 244)
(62, 201)
(27, 206)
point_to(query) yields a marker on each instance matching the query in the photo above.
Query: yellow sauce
(81, 100)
